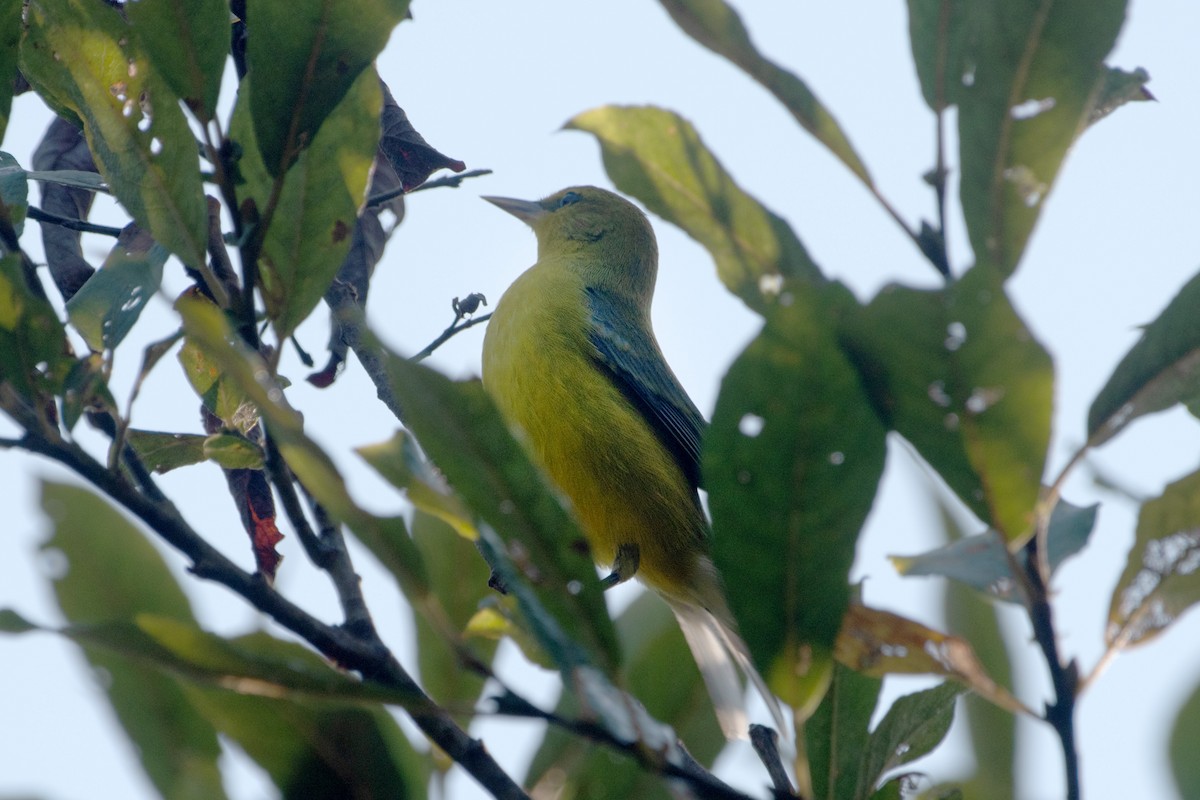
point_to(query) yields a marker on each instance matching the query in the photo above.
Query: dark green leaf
(106, 307)
(163, 452)
(309, 53)
(10, 38)
(34, 352)
(14, 189)
(661, 672)
(100, 550)
(939, 32)
(957, 373)
(1184, 735)
(1119, 87)
(1160, 370)
(791, 462)
(914, 725)
(465, 436)
(187, 41)
(313, 225)
(320, 751)
(658, 157)
(980, 560)
(12, 622)
(1160, 580)
(1031, 73)
(79, 56)
(458, 577)
(837, 736)
(718, 27)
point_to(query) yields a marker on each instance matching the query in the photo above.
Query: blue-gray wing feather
(626, 349)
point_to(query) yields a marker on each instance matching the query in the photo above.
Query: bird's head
(601, 234)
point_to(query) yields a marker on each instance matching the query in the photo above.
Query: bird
(571, 361)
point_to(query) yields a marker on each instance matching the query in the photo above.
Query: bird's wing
(628, 352)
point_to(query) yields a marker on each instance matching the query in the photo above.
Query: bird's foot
(624, 567)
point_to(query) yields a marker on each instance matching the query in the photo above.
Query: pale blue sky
(490, 84)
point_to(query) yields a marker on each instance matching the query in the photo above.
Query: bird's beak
(525, 210)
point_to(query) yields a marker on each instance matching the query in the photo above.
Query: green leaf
(658, 157)
(233, 451)
(460, 428)
(957, 373)
(99, 550)
(187, 41)
(791, 463)
(76, 178)
(399, 460)
(1032, 72)
(12, 622)
(163, 452)
(1119, 87)
(1184, 734)
(80, 56)
(837, 735)
(228, 361)
(34, 352)
(320, 751)
(14, 190)
(106, 307)
(310, 53)
(1160, 580)
(458, 577)
(980, 561)
(10, 39)
(718, 27)
(914, 725)
(1160, 370)
(311, 230)
(661, 672)
(939, 34)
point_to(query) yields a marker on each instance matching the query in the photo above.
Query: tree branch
(33, 212)
(366, 655)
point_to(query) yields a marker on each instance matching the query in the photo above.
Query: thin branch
(33, 212)
(704, 784)
(1064, 677)
(455, 328)
(449, 181)
(366, 655)
(766, 744)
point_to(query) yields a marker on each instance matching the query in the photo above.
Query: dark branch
(766, 744)
(366, 655)
(71, 224)
(455, 328)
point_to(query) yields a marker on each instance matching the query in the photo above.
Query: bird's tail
(717, 648)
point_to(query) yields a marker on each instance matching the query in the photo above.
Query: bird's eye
(569, 198)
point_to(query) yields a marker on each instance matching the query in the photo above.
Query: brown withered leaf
(410, 155)
(877, 643)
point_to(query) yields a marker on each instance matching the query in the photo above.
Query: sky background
(491, 84)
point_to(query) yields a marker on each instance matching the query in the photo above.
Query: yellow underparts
(597, 448)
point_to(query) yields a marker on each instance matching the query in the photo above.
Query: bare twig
(33, 212)
(766, 744)
(455, 328)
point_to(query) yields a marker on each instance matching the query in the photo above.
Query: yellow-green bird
(571, 359)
